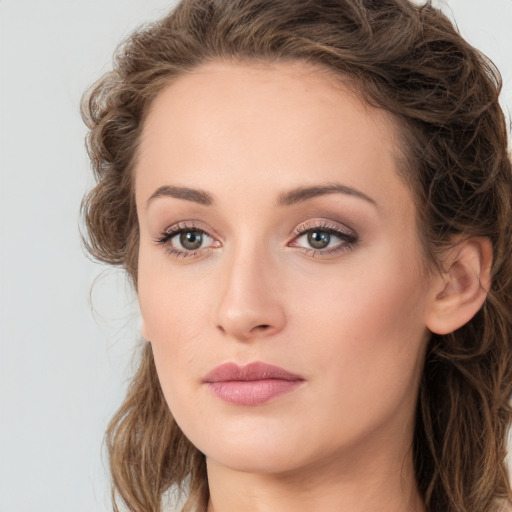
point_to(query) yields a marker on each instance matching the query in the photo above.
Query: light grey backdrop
(63, 366)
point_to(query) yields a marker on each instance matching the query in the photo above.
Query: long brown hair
(410, 61)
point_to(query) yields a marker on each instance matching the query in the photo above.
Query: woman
(313, 201)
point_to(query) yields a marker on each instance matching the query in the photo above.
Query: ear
(460, 291)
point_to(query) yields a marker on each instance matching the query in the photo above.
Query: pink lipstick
(253, 384)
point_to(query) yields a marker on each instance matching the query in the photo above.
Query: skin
(350, 319)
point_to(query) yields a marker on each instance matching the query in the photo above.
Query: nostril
(262, 327)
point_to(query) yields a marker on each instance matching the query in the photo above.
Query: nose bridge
(249, 305)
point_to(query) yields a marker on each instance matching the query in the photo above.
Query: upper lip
(253, 371)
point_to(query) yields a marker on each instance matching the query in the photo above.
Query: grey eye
(319, 239)
(191, 240)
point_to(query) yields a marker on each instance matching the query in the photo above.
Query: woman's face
(276, 232)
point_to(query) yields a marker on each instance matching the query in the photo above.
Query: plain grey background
(66, 352)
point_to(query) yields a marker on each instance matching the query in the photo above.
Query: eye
(182, 240)
(323, 239)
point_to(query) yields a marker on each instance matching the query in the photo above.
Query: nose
(251, 303)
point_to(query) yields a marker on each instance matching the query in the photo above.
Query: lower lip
(252, 392)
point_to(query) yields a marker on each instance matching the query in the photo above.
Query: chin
(250, 450)
(255, 460)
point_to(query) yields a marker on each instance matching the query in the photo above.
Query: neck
(371, 483)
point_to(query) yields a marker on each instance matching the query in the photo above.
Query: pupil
(191, 239)
(319, 239)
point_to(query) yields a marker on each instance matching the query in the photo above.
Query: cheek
(366, 330)
(378, 294)
(172, 321)
(170, 316)
(168, 301)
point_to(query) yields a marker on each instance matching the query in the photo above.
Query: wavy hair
(409, 60)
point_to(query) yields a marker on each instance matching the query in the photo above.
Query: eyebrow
(300, 194)
(289, 198)
(188, 194)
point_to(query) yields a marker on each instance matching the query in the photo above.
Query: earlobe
(460, 291)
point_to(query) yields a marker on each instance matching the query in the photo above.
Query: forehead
(259, 92)
(285, 124)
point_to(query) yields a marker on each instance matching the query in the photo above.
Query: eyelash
(348, 239)
(175, 230)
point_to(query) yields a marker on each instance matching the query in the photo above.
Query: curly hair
(409, 60)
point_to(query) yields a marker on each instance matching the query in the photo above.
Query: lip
(253, 384)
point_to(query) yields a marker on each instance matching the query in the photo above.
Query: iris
(319, 239)
(191, 240)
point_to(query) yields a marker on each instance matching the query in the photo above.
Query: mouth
(250, 385)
